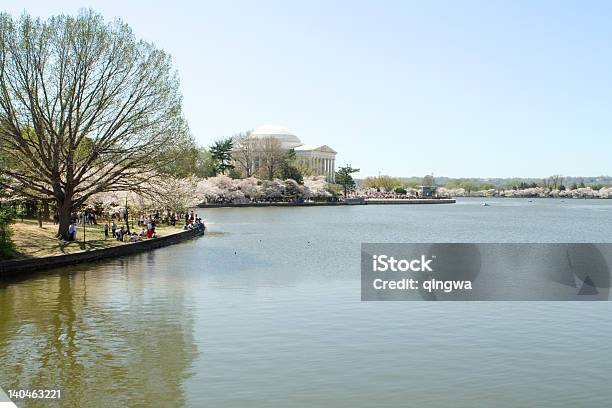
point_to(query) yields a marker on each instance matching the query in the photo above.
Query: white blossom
(273, 188)
(315, 187)
(249, 187)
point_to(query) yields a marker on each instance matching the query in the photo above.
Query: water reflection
(273, 305)
(108, 337)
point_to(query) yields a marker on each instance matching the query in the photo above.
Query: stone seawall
(17, 267)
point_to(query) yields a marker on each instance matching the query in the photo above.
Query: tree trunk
(64, 211)
(46, 212)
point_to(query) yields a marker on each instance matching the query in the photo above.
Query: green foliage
(524, 185)
(305, 169)
(7, 215)
(400, 190)
(469, 185)
(335, 190)
(386, 183)
(179, 162)
(428, 181)
(234, 174)
(292, 189)
(408, 183)
(598, 186)
(205, 165)
(221, 153)
(289, 169)
(188, 161)
(292, 172)
(345, 179)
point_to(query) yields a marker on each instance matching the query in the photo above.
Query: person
(143, 233)
(120, 234)
(72, 230)
(106, 231)
(133, 237)
(114, 229)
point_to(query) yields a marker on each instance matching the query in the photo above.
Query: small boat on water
(485, 204)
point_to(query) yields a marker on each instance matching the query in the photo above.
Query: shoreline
(382, 201)
(28, 266)
(539, 198)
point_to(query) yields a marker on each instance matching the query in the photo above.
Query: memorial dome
(287, 139)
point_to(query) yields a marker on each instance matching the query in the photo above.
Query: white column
(325, 169)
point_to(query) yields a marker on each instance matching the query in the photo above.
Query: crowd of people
(147, 225)
(112, 230)
(81, 217)
(192, 221)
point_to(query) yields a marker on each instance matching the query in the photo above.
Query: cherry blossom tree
(315, 187)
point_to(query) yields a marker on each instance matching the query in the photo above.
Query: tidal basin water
(265, 311)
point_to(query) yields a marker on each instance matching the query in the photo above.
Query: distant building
(319, 157)
(427, 191)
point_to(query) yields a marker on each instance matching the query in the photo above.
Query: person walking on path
(106, 231)
(114, 229)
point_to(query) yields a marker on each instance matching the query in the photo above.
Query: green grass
(33, 241)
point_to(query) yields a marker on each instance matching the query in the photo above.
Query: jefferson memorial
(319, 157)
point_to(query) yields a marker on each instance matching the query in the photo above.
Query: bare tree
(84, 108)
(556, 180)
(271, 156)
(245, 153)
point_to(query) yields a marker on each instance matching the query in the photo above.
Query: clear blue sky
(457, 88)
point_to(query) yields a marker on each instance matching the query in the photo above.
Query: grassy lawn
(32, 241)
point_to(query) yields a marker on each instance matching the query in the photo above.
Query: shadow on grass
(64, 247)
(32, 241)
